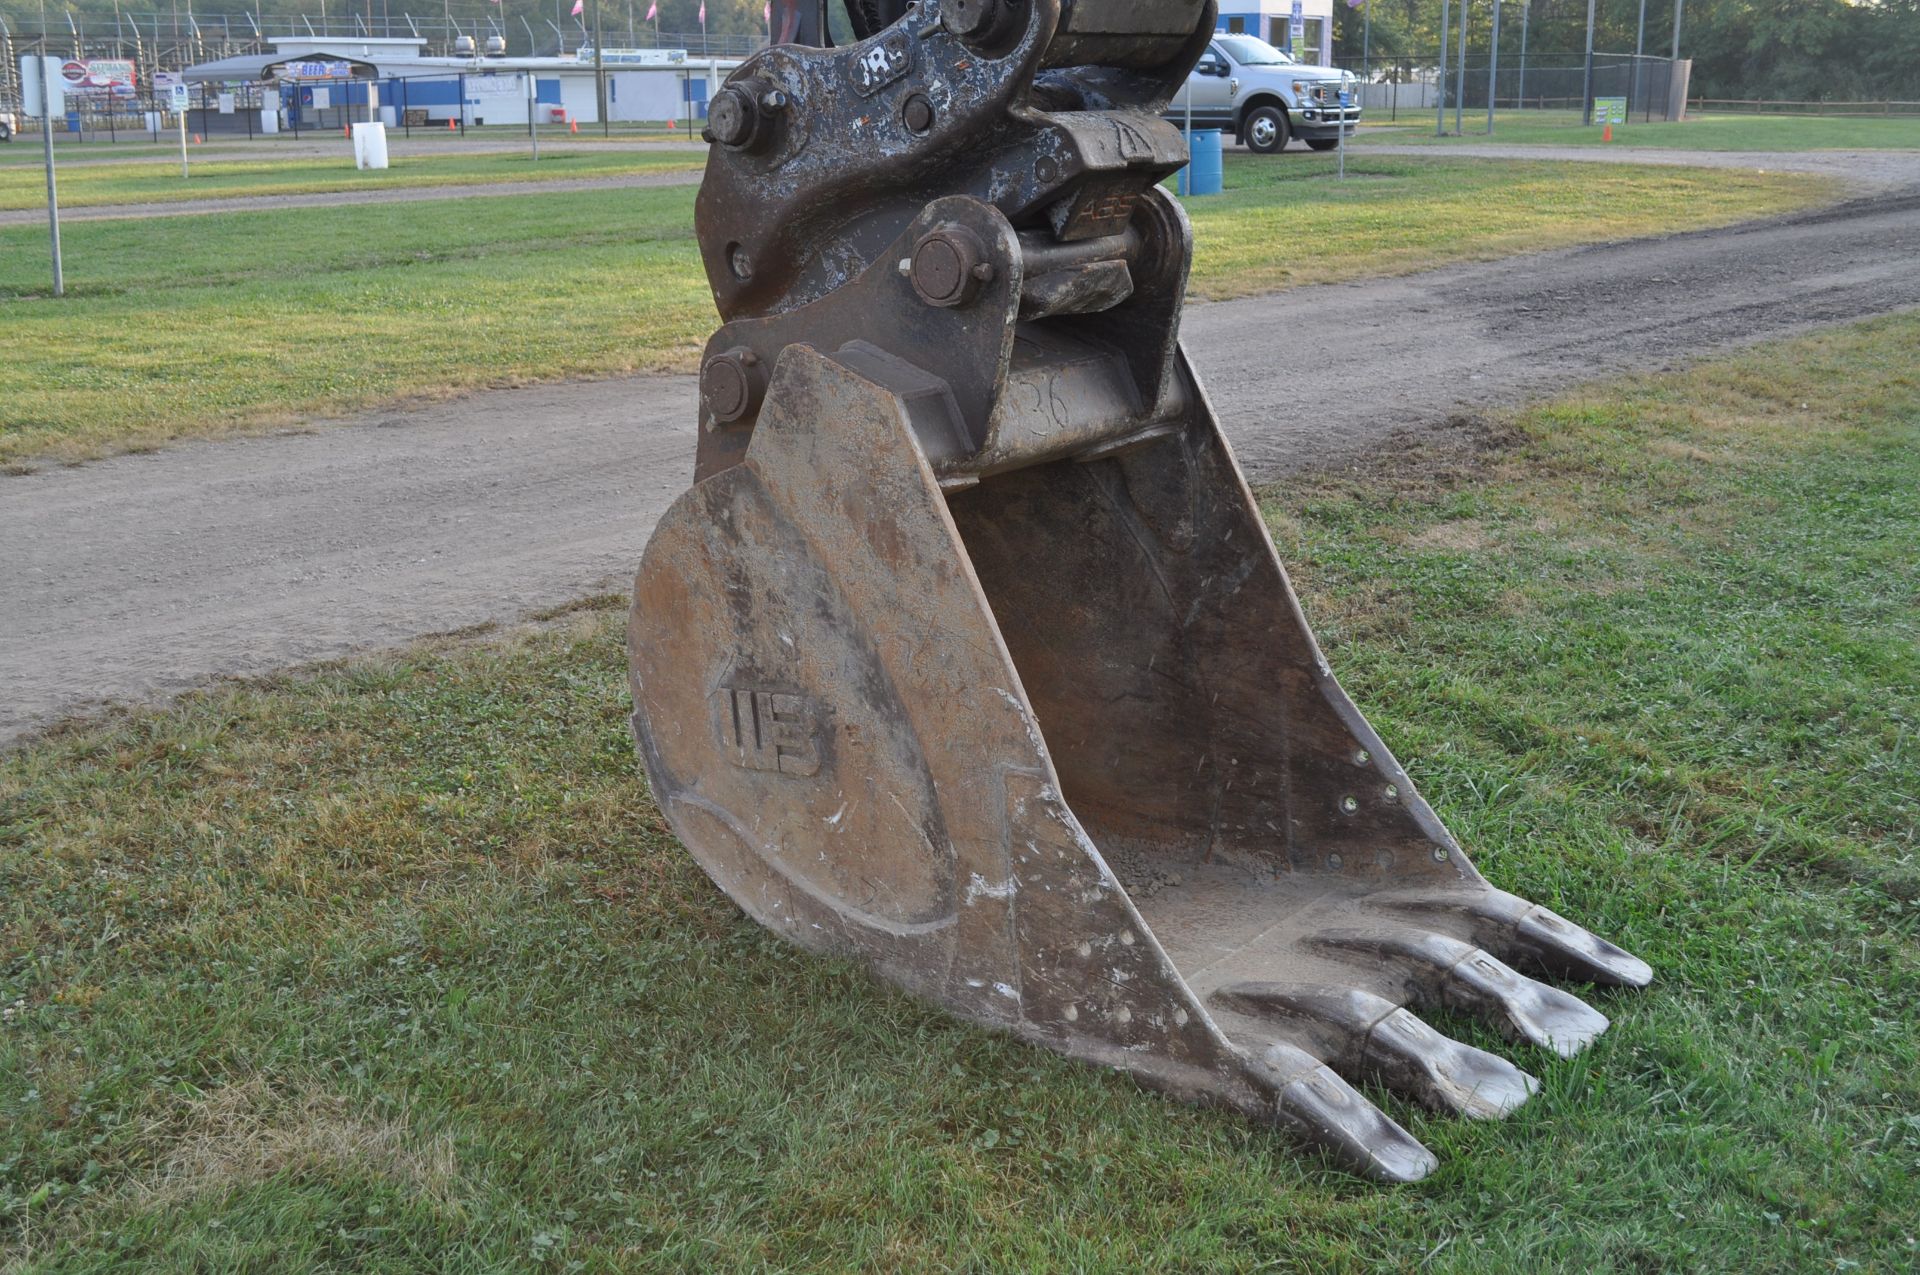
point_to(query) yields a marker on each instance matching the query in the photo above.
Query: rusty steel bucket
(969, 655)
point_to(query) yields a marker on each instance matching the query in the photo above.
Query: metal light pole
(1586, 85)
(533, 109)
(1493, 67)
(599, 73)
(1440, 107)
(1639, 46)
(1520, 96)
(1674, 62)
(1460, 79)
(1366, 48)
(48, 69)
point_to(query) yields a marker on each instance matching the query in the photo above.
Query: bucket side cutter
(968, 652)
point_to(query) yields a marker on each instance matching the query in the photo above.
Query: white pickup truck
(1265, 99)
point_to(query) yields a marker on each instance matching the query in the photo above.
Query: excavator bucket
(968, 654)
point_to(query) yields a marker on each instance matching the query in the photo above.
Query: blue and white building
(317, 75)
(1272, 21)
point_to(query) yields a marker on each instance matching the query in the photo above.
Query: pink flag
(653, 14)
(767, 13)
(703, 14)
(578, 5)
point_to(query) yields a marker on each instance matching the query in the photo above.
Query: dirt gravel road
(341, 198)
(1861, 170)
(142, 575)
(310, 145)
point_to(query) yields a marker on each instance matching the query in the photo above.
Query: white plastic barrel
(370, 145)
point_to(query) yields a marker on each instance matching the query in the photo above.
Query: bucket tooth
(1449, 974)
(968, 654)
(1530, 936)
(1366, 1036)
(1325, 1110)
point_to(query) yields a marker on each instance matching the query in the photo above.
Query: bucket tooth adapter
(968, 653)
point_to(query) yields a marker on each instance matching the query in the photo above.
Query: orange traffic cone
(1606, 134)
(346, 130)
(196, 139)
(669, 126)
(451, 126)
(574, 124)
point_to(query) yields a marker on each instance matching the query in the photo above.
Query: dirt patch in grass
(1464, 536)
(249, 1131)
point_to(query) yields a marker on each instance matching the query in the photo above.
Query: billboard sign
(98, 73)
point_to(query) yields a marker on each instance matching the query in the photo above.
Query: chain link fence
(1653, 88)
(171, 42)
(436, 104)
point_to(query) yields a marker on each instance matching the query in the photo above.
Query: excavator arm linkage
(968, 653)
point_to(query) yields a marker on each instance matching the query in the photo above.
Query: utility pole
(50, 67)
(1366, 50)
(1520, 95)
(1675, 60)
(599, 71)
(1639, 46)
(1460, 80)
(1493, 66)
(1440, 107)
(1586, 85)
(533, 107)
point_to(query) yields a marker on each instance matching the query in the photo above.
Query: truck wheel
(1265, 129)
(1322, 143)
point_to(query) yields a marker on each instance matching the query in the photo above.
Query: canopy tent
(257, 67)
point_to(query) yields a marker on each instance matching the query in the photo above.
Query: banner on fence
(99, 73)
(316, 71)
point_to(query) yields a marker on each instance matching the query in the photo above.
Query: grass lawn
(96, 185)
(392, 965)
(190, 327)
(1695, 133)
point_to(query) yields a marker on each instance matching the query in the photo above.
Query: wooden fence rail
(1760, 106)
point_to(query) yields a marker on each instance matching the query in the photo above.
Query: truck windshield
(1250, 50)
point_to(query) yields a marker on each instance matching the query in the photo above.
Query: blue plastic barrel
(1203, 174)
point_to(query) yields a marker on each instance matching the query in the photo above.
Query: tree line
(1813, 50)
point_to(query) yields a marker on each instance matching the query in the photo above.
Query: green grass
(1695, 133)
(1285, 225)
(393, 966)
(194, 327)
(159, 181)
